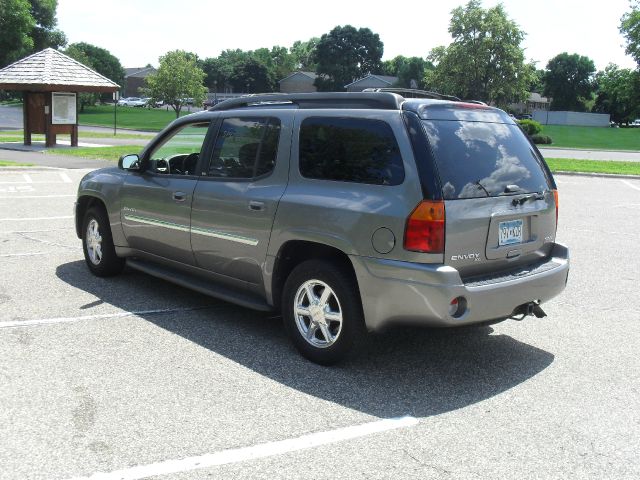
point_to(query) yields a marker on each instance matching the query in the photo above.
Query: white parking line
(65, 178)
(50, 321)
(35, 219)
(629, 184)
(270, 449)
(37, 196)
(27, 178)
(32, 254)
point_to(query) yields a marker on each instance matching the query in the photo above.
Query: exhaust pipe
(528, 309)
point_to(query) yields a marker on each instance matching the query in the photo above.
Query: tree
(85, 98)
(44, 32)
(16, 25)
(303, 54)
(618, 93)
(251, 75)
(345, 54)
(409, 70)
(569, 81)
(102, 60)
(630, 29)
(27, 26)
(485, 60)
(178, 78)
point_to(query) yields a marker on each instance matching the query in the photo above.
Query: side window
(350, 150)
(179, 153)
(245, 148)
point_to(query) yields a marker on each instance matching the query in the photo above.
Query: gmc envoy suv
(347, 212)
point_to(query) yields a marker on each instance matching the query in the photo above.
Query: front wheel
(322, 311)
(97, 244)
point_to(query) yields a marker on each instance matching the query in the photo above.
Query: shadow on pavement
(402, 372)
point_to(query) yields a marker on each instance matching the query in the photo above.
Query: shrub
(540, 139)
(531, 127)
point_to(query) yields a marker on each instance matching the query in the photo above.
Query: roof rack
(365, 100)
(413, 93)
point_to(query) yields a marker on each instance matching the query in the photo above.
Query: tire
(97, 244)
(324, 331)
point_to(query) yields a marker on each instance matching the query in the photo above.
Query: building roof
(311, 75)
(384, 78)
(536, 97)
(49, 70)
(141, 72)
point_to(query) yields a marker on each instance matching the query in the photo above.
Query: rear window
(478, 159)
(350, 150)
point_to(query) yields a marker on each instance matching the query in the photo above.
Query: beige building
(134, 79)
(534, 102)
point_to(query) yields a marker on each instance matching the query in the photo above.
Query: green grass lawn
(593, 166)
(101, 153)
(18, 136)
(601, 138)
(128, 117)
(7, 163)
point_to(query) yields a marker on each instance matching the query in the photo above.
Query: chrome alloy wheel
(318, 313)
(93, 240)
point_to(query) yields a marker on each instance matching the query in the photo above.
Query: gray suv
(348, 212)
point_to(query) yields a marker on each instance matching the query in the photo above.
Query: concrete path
(590, 154)
(58, 161)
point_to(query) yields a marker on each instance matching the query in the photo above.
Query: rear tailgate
(500, 210)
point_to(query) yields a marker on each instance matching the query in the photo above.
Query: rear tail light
(555, 197)
(425, 228)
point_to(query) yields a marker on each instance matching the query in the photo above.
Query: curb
(586, 149)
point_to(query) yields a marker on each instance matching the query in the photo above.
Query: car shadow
(407, 371)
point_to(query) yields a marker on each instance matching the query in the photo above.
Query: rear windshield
(478, 159)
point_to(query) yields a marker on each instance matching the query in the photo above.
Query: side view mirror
(130, 162)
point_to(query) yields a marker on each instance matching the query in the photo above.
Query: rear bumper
(411, 293)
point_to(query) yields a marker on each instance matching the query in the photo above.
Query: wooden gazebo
(51, 82)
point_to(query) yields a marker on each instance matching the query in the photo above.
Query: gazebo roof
(52, 71)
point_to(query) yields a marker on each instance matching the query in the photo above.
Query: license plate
(510, 232)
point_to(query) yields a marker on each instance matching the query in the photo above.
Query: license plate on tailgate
(510, 232)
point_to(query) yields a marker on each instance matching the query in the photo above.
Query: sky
(138, 32)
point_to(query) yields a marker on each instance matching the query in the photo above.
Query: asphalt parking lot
(135, 377)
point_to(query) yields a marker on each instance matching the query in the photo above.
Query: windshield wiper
(477, 182)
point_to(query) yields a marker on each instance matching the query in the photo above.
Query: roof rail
(413, 93)
(365, 100)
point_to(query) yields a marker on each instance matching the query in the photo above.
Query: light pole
(247, 87)
(215, 92)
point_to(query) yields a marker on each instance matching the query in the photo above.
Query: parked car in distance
(123, 102)
(130, 102)
(347, 212)
(635, 123)
(139, 102)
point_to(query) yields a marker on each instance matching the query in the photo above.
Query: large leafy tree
(345, 54)
(85, 98)
(27, 26)
(484, 61)
(44, 32)
(618, 93)
(409, 70)
(102, 61)
(16, 25)
(569, 81)
(303, 54)
(178, 77)
(630, 28)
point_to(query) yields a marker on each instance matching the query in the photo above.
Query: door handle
(256, 206)
(179, 196)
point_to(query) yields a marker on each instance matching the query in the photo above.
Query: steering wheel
(189, 163)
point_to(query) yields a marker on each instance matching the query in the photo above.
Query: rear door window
(245, 148)
(481, 159)
(350, 150)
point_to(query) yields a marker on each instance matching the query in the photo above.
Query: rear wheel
(97, 243)
(322, 311)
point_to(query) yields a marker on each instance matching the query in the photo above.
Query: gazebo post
(74, 129)
(25, 119)
(49, 133)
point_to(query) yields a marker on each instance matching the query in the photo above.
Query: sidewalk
(59, 161)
